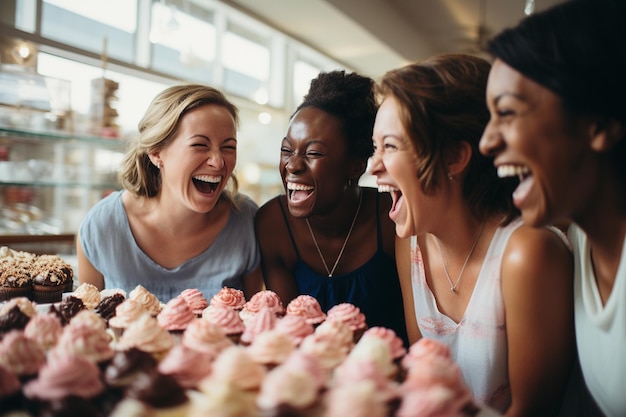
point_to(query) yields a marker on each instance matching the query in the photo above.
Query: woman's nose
(491, 141)
(215, 159)
(376, 163)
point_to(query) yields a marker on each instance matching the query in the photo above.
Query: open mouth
(207, 184)
(396, 195)
(298, 192)
(525, 177)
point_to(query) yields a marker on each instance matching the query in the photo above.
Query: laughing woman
(495, 291)
(179, 223)
(327, 236)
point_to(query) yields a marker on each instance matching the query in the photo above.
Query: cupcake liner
(6, 293)
(45, 294)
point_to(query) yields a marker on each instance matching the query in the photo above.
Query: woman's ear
(606, 134)
(459, 160)
(155, 158)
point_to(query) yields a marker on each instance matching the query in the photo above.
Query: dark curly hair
(350, 98)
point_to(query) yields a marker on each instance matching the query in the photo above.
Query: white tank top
(478, 342)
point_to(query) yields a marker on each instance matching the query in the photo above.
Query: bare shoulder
(269, 211)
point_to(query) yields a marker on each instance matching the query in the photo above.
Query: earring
(450, 177)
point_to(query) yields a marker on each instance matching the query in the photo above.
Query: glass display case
(48, 182)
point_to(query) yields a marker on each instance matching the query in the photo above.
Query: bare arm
(86, 271)
(537, 286)
(253, 283)
(274, 242)
(403, 262)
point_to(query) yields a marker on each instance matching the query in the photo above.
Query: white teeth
(208, 178)
(512, 171)
(386, 188)
(298, 187)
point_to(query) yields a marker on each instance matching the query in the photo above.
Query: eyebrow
(499, 97)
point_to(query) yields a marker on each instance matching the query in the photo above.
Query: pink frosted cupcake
(229, 297)
(424, 347)
(21, 355)
(328, 350)
(262, 299)
(388, 335)
(45, 329)
(338, 330)
(89, 318)
(376, 351)
(300, 361)
(227, 319)
(288, 392)
(235, 366)
(68, 382)
(359, 399)
(147, 299)
(89, 293)
(176, 316)
(295, 326)
(307, 307)
(187, 366)
(206, 337)
(87, 341)
(11, 398)
(350, 314)
(265, 319)
(146, 334)
(271, 348)
(195, 300)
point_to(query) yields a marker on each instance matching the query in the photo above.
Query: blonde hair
(157, 129)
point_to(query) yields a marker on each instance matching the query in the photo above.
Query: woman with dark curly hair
(179, 222)
(327, 236)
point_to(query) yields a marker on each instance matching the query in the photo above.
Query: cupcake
(147, 299)
(15, 314)
(265, 319)
(301, 361)
(377, 351)
(195, 300)
(351, 315)
(308, 307)
(147, 335)
(68, 308)
(90, 294)
(88, 341)
(265, 299)
(295, 326)
(21, 355)
(228, 297)
(176, 316)
(206, 337)
(15, 280)
(187, 366)
(69, 384)
(288, 392)
(107, 305)
(49, 282)
(235, 366)
(227, 319)
(338, 330)
(126, 313)
(356, 400)
(88, 318)
(271, 348)
(396, 345)
(55, 262)
(328, 350)
(122, 370)
(45, 329)
(154, 394)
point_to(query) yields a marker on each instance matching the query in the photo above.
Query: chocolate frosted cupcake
(57, 264)
(48, 283)
(67, 309)
(15, 280)
(106, 307)
(15, 314)
(160, 395)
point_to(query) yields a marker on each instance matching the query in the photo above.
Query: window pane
(303, 73)
(183, 40)
(246, 62)
(86, 24)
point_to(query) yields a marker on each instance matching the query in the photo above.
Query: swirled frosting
(145, 297)
(176, 315)
(347, 313)
(308, 307)
(187, 366)
(388, 335)
(87, 341)
(328, 350)
(263, 299)
(45, 329)
(66, 376)
(147, 335)
(262, 321)
(126, 313)
(206, 337)
(229, 297)
(235, 366)
(425, 347)
(89, 293)
(21, 355)
(295, 326)
(338, 330)
(377, 351)
(89, 318)
(271, 347)
(287, 386)
(225, 317)
(355, 400)
(195, 300)
(301, 361)
(26, 306)
(354, 371)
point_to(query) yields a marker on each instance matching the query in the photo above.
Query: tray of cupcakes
(108, 353)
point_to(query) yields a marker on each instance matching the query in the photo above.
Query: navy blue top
(374, 287)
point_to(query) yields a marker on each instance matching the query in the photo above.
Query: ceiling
(374, 36)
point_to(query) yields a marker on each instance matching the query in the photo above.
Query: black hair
(350, 98)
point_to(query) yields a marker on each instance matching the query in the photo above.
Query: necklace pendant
(453, 289)
(330, 275)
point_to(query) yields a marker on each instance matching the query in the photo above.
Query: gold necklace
(345, 242)
(469, 255)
